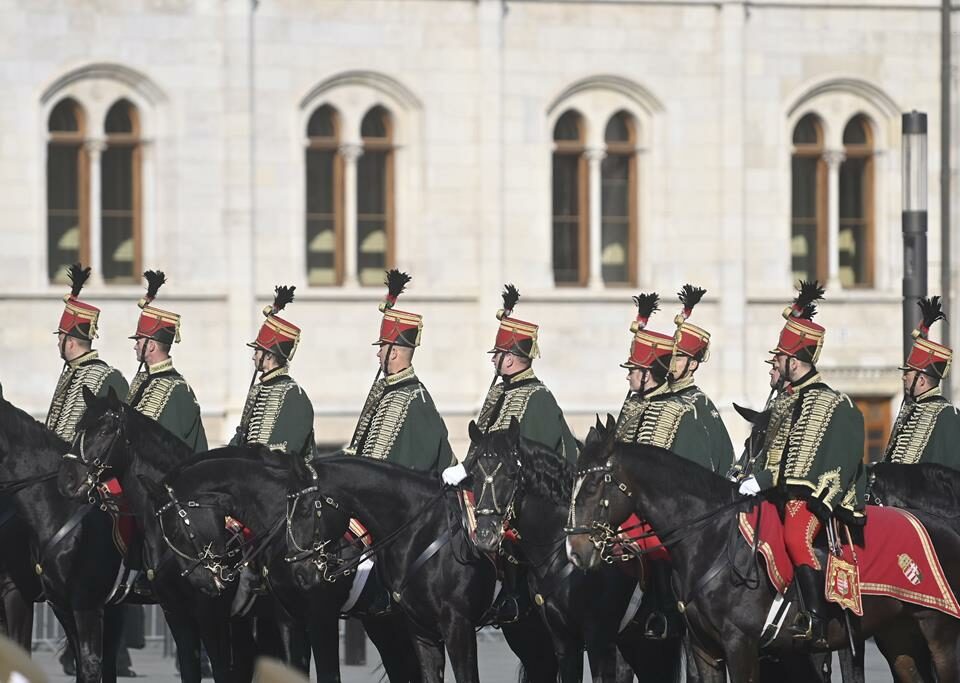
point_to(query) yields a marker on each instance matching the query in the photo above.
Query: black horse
(520, 485)
(115, 441)
(253, 495)
(66, 543)
(422, 558)
(695, 511)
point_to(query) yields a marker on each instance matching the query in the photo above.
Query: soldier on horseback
(158, 390)
(813, 449)
(521, 396)
(691, 348)
(82, 366)
(927, 429)
(399, 422)
(277, 412)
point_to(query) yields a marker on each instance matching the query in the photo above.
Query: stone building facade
(583, 150)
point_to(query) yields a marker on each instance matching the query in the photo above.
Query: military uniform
(159, 391)
(814, 447)
(79, 319)
(523, 396)
(399, 422)
(277, 412)
(927, 430)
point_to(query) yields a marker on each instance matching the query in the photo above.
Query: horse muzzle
(582, 552)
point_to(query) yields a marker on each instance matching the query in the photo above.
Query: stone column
(351, 152)
(833, 158)
(95, 150)
(595, 157)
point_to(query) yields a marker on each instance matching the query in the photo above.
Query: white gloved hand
(454, 474)
(749, 487)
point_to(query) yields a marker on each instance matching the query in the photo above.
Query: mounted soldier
(927, 430)
(82, 366)
(651, 413)
(277, 412)
(158, 390)
(691, 348)
(813, 449)
(399, 422)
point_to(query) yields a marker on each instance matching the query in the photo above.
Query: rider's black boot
(663, 619)
(811, 623)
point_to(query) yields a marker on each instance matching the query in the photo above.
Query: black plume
(690, 296)
(155, 280)
(647, 304)
(395, 282)
(511, 295)
(78, 277)
(282, 296)
(810, 293)
(932, 310)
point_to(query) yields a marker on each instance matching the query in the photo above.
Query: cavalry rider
(82, 366)
(158, 390)
(691, 348)
(652, 414)
(813, 451)
(277, 412)
(928, 427)
(519, 394)
(399, 422)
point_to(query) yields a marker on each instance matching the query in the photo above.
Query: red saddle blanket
(897, 559)
(638, 535)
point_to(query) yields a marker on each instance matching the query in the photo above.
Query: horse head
(315, 524)
(195, 529)
(495, 466)
(601, 502)
(95, 448)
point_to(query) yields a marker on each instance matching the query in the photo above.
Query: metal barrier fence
(48, 634)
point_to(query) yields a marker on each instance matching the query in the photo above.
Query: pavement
(497, 664)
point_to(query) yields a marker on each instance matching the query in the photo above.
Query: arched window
(855, 240)
(68, 213)
(619, 203)
(808, 205)
(570, 223)
(324, 199)
(375, 197)
(120, 194)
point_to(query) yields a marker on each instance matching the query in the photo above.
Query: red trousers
(800, 527)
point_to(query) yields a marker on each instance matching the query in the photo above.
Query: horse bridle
(316, 549)
(97, 466)
(221, 567)
(507, 513)
(601, 532)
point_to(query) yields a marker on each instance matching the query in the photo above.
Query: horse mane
(249, 452)
(545, 473)
(18, 426)
(694, 477)
(927, 487)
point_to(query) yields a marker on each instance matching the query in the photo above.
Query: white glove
(454, 474)
(749, 487)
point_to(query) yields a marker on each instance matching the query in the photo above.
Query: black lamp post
(914, 219)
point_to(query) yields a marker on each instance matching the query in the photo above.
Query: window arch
(808, 203)
(120, 194)
(570, 196)
(375, 197)
(618, 201)
(68, 230)
(324, 198)
(855, 238)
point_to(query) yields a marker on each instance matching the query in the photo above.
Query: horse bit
(601, 534)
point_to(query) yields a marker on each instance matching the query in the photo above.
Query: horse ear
(299, 469)
(611, 424)
(155, 492)
(747, 414)
(513, 431)
(594, 434)
(88, 396)
(476, 436)
(599, 423)
(112, 399)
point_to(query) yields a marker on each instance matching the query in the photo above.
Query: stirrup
(507, 610)
(811, 628)
(656, 626)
